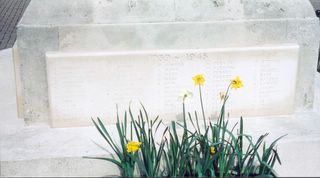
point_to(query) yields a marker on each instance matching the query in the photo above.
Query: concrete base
(39, 150)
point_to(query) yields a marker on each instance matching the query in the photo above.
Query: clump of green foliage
(211, 149)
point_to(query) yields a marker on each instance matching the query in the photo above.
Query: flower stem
(184, 119)
(204, 118)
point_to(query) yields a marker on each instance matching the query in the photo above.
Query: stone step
(44, 151)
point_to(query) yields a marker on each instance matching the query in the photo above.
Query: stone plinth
(116, 26)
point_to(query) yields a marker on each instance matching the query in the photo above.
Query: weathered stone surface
(43, 151)
(8, 102)
(34, 151)
(58, 167)
(62, 12)
(317, 93)
(152, 25)
(85, 85)
(103, 25)
(33, 44)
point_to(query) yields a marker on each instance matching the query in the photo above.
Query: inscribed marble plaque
(84, 85)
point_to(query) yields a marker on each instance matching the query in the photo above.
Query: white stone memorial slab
(85, 85)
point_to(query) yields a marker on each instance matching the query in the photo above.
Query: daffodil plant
(211, 150)
(125, 155)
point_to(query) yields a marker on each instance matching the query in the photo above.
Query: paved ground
(10, 13)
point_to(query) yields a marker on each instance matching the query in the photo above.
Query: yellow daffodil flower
(133, 146)
(198, 79)
(236, 83)
(212, 150)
